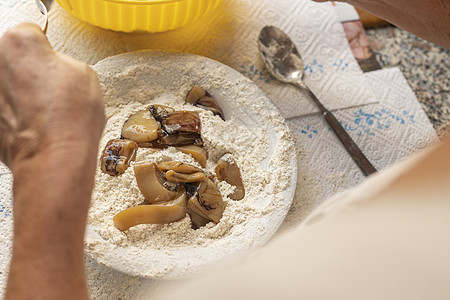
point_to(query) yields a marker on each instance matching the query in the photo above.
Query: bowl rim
(143, 2)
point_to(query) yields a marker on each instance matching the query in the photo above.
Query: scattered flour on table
(6, 225)
(114, 284)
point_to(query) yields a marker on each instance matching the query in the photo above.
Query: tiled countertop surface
(425, 66)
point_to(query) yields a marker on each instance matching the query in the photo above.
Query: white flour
(113, 194)
(253, 133)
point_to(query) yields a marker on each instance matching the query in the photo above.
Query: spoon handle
(44, 7)
(357, 155)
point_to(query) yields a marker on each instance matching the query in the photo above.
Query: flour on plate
(113, 194)
(253, 133)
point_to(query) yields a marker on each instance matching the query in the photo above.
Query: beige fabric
(386, 239)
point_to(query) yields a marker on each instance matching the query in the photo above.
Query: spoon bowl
(280, 55)
(285, 63)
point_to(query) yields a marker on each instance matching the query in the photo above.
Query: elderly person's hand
(49, 103)
(51, 120)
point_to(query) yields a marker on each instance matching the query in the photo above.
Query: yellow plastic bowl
(139, 15)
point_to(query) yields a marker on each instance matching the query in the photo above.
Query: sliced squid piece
(228, 170)
(198, 153)
(199, 97)
(181, 128)
(141, 127)
(206, 203)
(160, 112)
(150, 182)
(178, 128)
(179, 172)
(162, 213)
(117, 155)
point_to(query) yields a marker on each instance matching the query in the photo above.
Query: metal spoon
(285, 63)
(44, 7)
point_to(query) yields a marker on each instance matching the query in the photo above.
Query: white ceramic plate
(174, 71)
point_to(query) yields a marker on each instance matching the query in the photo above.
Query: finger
(70, 61)
(31, 27)
(83, 69)
(24, 36)
(88, 76)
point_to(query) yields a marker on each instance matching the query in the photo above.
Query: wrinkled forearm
(51, 199)
(51, 119)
